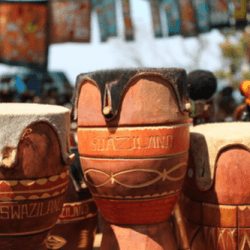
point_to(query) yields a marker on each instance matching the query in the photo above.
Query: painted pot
(34, 162)
(133, 141)
(215, 201)
(77, 223)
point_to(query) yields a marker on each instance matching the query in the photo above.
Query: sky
(144, 51)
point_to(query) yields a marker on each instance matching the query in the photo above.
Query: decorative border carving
(164, 176)
(42, 188)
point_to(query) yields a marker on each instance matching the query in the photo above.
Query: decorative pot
(133, 143)
(34, 173)
(215, 202)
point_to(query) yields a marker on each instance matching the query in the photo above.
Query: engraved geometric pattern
(55, 242)
(164, 176)
(84, 239)
(245, 242)
(42, 188)
(220, 238)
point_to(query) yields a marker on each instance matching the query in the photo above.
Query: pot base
(140, 237)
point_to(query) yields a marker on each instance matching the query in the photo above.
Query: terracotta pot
(133, 143)
(77, 223)
(216, 190)
(34, 173)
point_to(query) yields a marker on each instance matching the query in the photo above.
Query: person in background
(245, 91)
(202, 86)
(226, 105)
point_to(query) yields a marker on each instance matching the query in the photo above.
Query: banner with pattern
(202, 14)
(240, 13)
(173, 17)
(219, 13)
(188, 21)
(110, 13)
(129, 29)
(248, 6)
(24, 34)
(70, 21)
(97, 5)
(156, 19)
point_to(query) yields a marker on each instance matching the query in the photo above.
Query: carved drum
(34, 160)
(133, 143)
(77, 223)
(216, 191)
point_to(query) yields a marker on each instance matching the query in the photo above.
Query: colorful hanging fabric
(110, 13)
(188, 22)
(173, 17)
(98, 6)
(219, 13)
(155, 13)
(240, 13)
(248, 6)
(202, 14)
(70, 21)
(129, 29)
(24, 34)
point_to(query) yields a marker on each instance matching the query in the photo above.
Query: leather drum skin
(216, 192)
(34, 160)
(133, 142)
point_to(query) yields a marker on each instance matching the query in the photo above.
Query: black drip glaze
(117, 81)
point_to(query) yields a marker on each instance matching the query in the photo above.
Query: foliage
(235, 53)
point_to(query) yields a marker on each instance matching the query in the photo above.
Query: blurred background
(46, 44)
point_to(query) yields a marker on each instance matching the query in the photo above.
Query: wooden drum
(133, 140)
(216, 192)
(34, 160)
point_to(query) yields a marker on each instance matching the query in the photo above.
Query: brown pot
(77, 223)
(133, 143)
(216, 190)
(34, 173)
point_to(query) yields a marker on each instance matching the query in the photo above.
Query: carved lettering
(93, 143)
(74, 211)
(24, 211)
(50, 207)
(35, 209)
(131, 143)
(111, 143)
(169, 141)
(15, 212)
(4, 212)
(151, 143)
(124, 140)
(101, 144)
(160, 141)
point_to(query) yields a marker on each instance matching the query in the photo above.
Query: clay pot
(34, 173)
(216, 190)
(77, 223)
(133, 143)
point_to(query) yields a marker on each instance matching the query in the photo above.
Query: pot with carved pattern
(133, 143)
(215, 199)
(34, 161)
